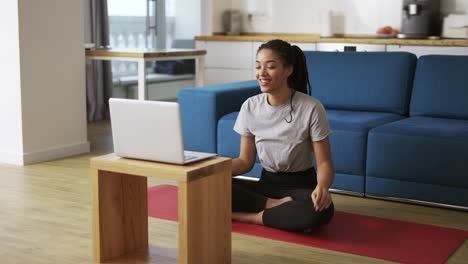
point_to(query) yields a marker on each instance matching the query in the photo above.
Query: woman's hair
(291, 55)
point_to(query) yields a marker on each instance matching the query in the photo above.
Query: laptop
(150, 130)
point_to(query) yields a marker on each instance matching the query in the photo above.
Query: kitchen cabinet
(429, 50)
(227, 61)
(350, 47)
(231, 61)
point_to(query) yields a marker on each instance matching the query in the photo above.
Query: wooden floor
(45, 217)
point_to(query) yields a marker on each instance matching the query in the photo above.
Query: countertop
(358, 39)
(143, 52)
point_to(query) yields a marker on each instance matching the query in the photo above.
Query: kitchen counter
(363, 39)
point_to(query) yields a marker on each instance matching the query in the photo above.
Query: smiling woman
(288, 129)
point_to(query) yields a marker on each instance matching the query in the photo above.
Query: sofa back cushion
(441, 87)
(363, 81)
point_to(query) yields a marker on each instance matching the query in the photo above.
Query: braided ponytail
(291, 55)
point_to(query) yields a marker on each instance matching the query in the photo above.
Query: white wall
(188, 19)
(304, 16)
(11, 146)
(206, 14)
(52, 117)
(454, 6)
(218, 7)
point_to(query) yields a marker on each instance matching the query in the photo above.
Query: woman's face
(270, 72)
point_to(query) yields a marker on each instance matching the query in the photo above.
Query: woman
(288, 128)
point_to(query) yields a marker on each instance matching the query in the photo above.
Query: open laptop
(150, 130)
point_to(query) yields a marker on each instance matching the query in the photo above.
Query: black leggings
(296, 215)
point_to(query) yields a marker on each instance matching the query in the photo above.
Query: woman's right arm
(246, 159)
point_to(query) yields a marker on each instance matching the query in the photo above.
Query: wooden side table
(143, 55)
(120, 208)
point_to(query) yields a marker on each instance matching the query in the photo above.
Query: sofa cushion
(441, 87)
(372, 81)
(349, 137)
(421, 150)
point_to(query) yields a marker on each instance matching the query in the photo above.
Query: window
(150, 24)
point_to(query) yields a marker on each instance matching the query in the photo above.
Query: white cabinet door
(306, 46)
(227, 61)
(350, 47)
(220, 76)
(200, 44)
(429, 50)
(229, 54)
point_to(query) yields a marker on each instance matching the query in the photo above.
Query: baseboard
(11, 158)
(46, 154)
(56, 153)
(418, 202)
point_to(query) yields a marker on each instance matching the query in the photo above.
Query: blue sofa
(425, 156)
(400, 124)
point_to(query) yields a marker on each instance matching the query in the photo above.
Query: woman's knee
(312, 219)
(327, 215)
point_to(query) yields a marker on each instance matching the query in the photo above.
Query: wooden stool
(120, 207)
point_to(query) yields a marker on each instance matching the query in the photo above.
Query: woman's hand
(321, 198)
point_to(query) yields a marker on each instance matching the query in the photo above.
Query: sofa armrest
(201, 107)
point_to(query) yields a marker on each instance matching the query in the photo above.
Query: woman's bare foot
(252, 218)
(275, 202)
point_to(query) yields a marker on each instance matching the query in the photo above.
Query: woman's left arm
(325, 173)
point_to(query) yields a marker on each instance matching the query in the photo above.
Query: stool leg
(120, 214)
(205, 218)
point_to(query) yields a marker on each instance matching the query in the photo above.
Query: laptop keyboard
(188, 157)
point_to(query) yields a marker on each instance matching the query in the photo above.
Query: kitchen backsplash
(321, 16)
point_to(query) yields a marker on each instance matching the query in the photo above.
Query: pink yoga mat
(351, 233)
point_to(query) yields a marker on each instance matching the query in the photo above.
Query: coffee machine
(420, 19)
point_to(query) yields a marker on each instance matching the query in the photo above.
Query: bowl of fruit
(387, 32)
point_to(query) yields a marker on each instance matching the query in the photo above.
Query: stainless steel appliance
(420, 19)
(232, 22)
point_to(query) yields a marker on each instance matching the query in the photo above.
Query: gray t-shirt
(282, 146)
